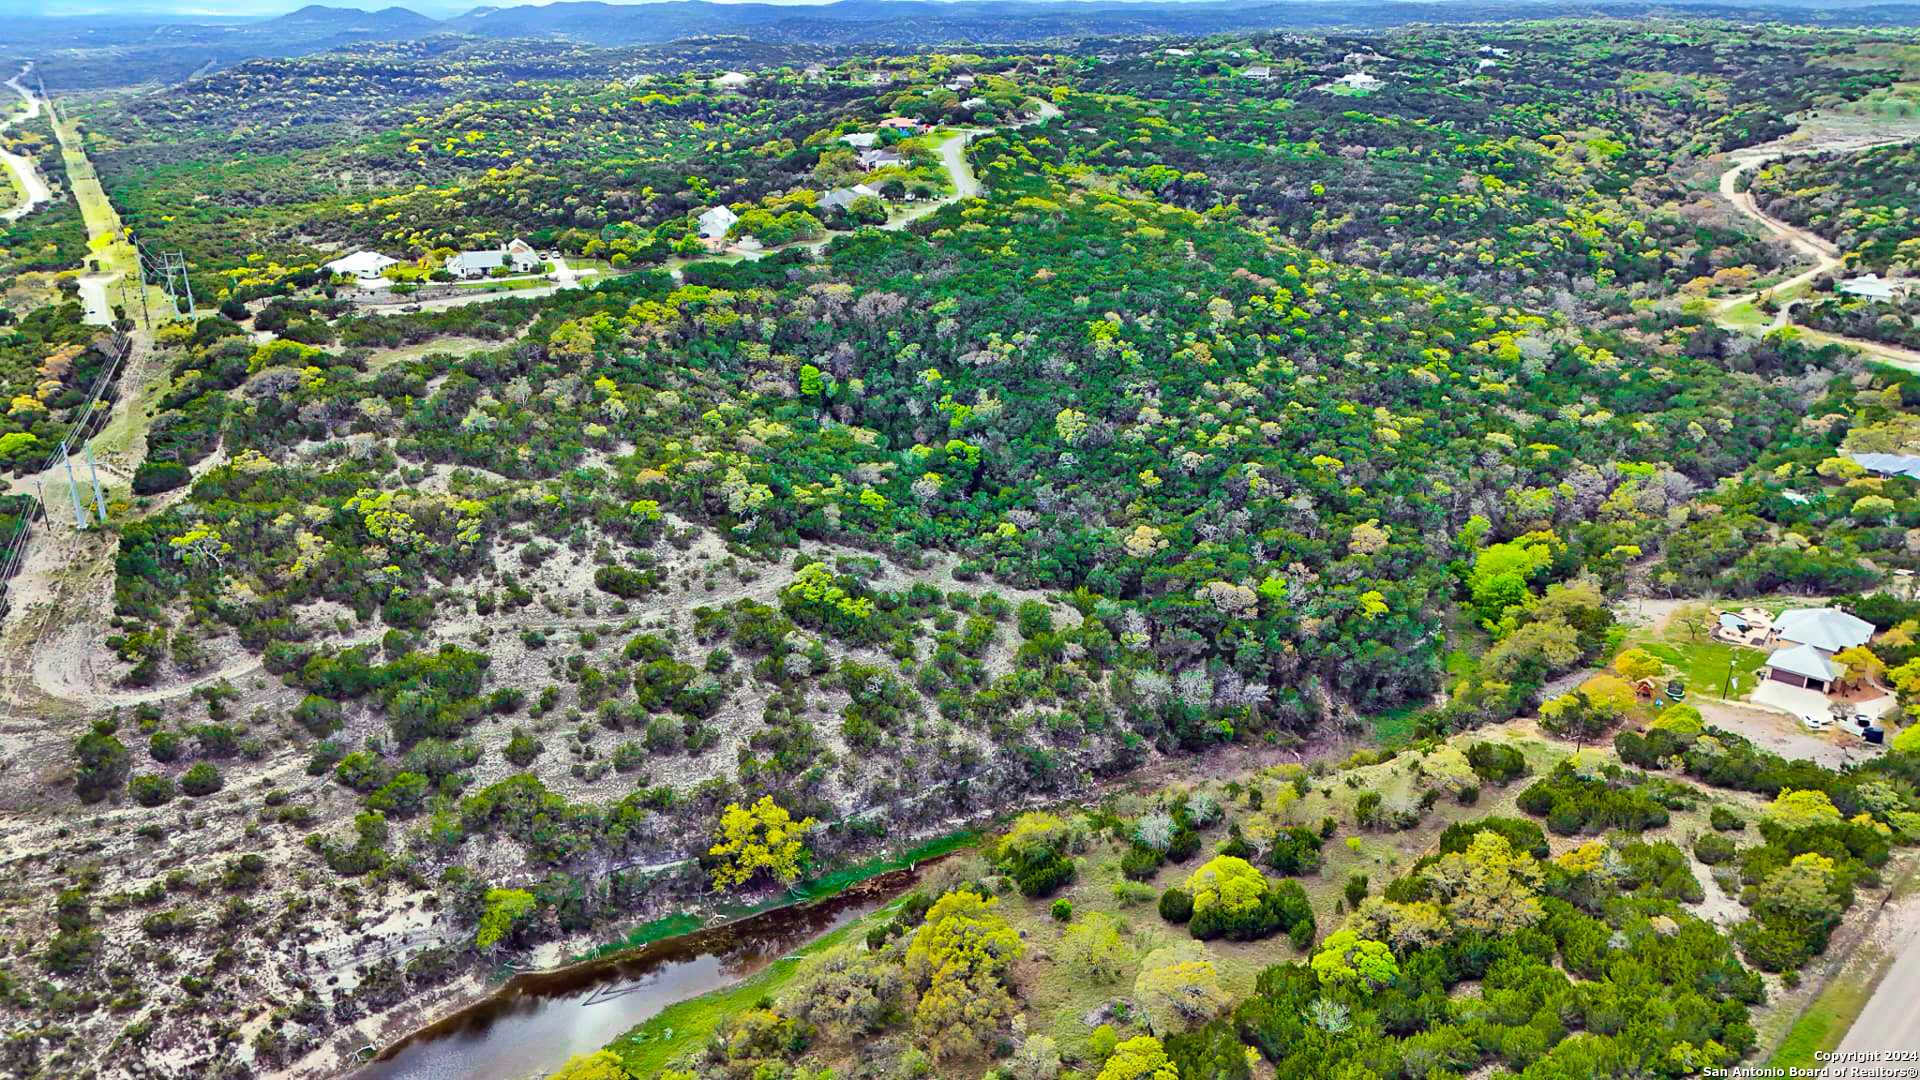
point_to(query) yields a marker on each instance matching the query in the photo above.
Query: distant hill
(921, 23)
(320, 17)
(89, 52)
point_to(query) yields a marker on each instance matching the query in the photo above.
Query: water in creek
(536, 1021)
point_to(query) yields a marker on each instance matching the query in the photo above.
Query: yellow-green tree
(1139, 1058)
(762, 838)
(1803, 809)
(1231, 885)
(599, 1065)
(1347, 959)
(1637, 664)
(1861, 665)
(505, 909)
(958, 962)
(1179, 988)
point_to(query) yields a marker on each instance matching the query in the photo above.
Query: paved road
(24, 167)
(1891, 1020)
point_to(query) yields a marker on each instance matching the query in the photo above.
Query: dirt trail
(1826, 257)
(24, 168)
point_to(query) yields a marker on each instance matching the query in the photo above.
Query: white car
(1816, 723)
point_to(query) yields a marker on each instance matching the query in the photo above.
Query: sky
(436, 8)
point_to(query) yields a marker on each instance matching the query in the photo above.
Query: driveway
(1784, 734)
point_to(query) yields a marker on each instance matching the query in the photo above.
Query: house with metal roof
(515, 256)
(840, 198)
(365, 265)
(1869, 287)
(1828, 629)
(1907, 465)
(1803, 666)
(715, 222)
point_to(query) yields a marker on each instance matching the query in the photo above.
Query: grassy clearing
(1745, 316)
(1711, 668)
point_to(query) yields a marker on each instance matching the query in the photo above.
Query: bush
(1496, 763)
(102, 763)
(1574, 803)
(1356, 890)
(154, 477)
(522, 748)
(1726, 820)
(1062, 910)
(166, 746)
(1295, 851)
(203, 779)
(1176, 906)
(1713, 849)
(151, 789)
(1140, 863)
(1520, 834)
(1033, 854)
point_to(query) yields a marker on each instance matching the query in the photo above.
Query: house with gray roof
(1828, 629)
(515, 256)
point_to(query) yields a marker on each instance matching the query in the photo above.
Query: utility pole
(73, 489)
(99, 499)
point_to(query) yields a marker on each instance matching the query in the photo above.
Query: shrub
(1176, 906)
(1062, 910)
(203, 779)
(1356, 889)
(1033, 854)
(102, 763)
(1496, 763)
(1713, 849)
(522, 748)
(1140, 863)
(151, 789)
(1295, 851)
(1233, 899)
(154, 477)
(166, 746)
(1726, 820)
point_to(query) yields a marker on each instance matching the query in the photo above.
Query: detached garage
(1802, 665)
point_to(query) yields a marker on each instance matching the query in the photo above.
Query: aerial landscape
(1002, 540)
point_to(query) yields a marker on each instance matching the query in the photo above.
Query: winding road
(23, 168)
(1826, 257)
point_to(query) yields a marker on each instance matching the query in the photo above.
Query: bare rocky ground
(312, 937)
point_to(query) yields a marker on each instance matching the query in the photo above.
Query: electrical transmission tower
(169, 270)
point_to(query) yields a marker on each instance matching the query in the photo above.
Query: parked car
(1816, 722)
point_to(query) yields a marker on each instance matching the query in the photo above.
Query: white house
(715, 222)
(1258, 73)
(365, 265)
(732, 80)
(1358, 80)
(861, 140)
(515, 256)
(1869, 286)
(880, 159)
